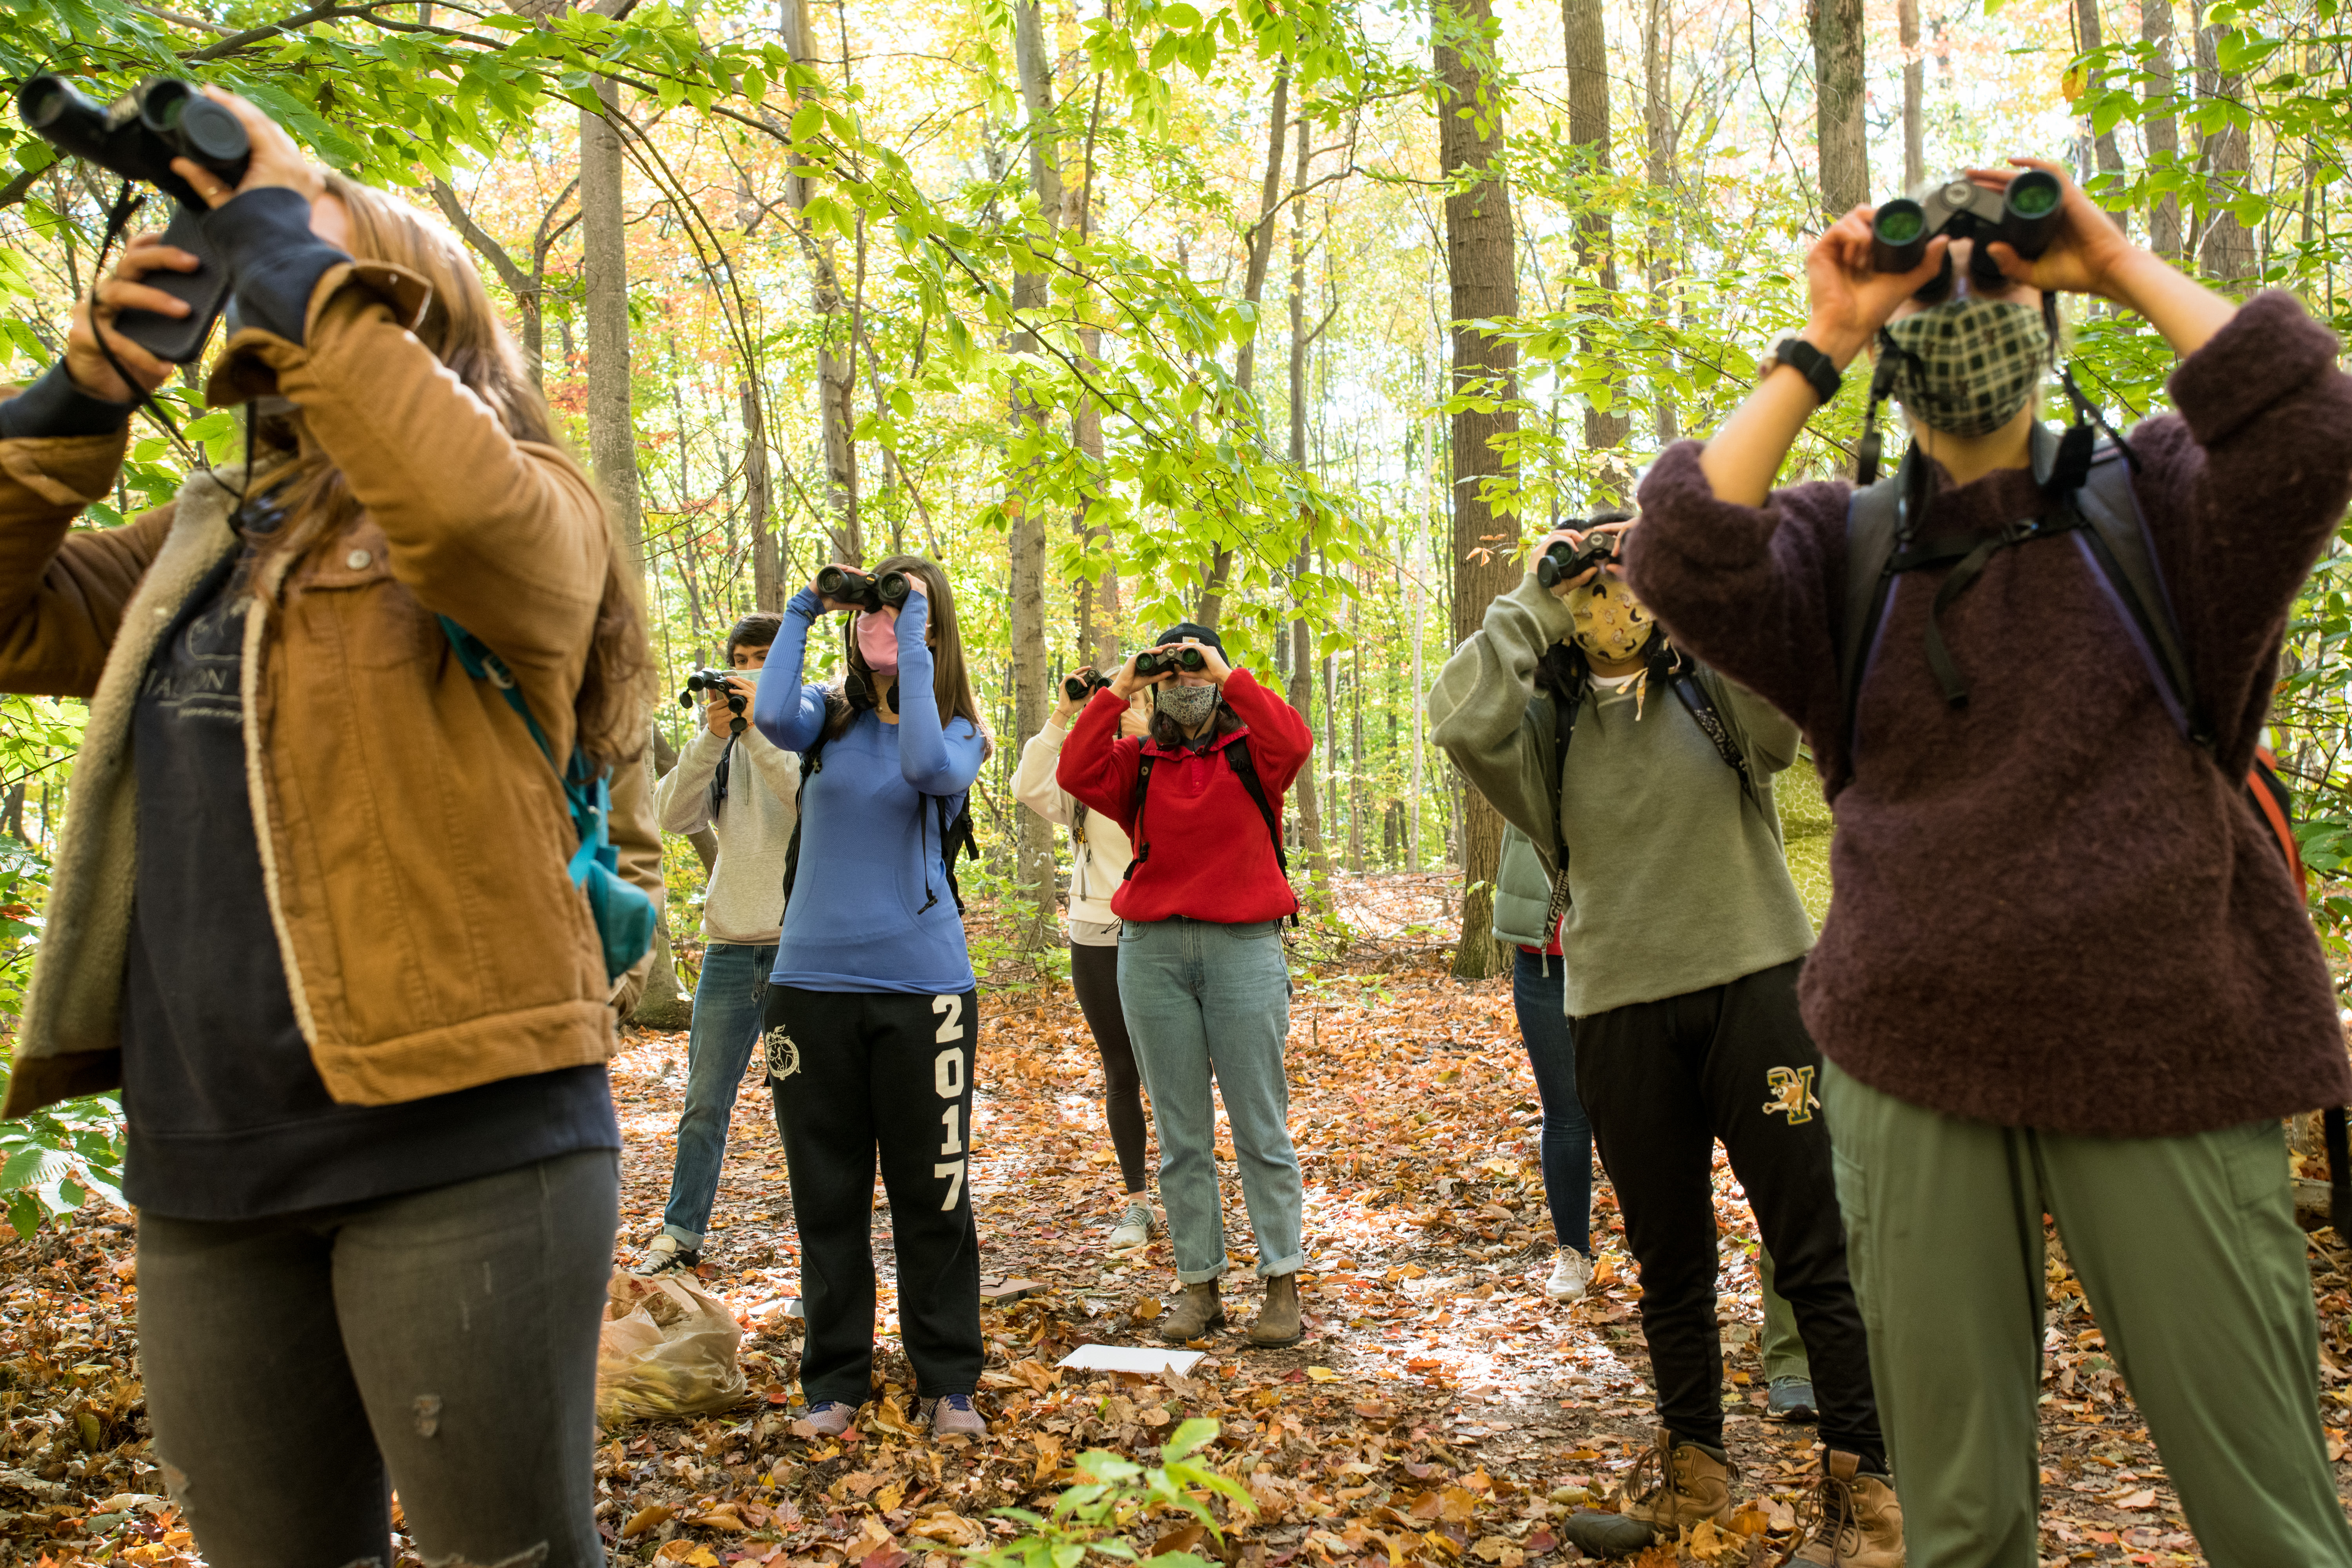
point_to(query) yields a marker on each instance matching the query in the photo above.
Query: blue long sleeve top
(870, 908)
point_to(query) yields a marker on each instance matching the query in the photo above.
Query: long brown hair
(951, 681)
(462, 328)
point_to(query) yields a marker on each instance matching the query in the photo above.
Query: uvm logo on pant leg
(784, 1056)
(1792, 1094)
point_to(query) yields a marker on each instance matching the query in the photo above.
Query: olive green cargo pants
(2189, 1252)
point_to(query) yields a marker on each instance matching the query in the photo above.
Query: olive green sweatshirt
(1676, 878)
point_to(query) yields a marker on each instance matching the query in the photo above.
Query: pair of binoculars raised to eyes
(713, 684)
(1084, 684)
(1563, 562)
(1168, 661)
(847, 585)
(2027, 215)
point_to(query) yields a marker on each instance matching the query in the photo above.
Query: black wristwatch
(1807, 362)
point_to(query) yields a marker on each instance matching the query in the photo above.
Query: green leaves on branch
(1113, 1497)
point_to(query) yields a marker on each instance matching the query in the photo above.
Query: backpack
(1568, 687)
(624, 915)
(1237, 757)
(955, 835)
(2103, 518)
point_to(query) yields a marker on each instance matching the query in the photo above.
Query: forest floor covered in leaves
(1440, 1409)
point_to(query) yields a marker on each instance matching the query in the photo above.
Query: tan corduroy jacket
(413, 841)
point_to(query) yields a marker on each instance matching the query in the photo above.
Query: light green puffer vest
(1522, 892)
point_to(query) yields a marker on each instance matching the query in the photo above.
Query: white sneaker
(1570, 1273)
(665, 1257)
(1134, 1229)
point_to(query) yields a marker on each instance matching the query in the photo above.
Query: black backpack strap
(956, 838)
(1873, 515)
(1143, 762)
(1685, 680)
(2116, 537)
(811, 761)
(1567, 702)
(2339, 1170)
(1245, 767)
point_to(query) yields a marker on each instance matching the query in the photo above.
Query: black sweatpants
(1094, 975)
(855, 1072)
(1661, 1082)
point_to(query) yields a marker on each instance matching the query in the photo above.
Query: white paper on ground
(1132, 1358)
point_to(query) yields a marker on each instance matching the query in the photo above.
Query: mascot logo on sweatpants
(784, 1056)
(1792, 1094)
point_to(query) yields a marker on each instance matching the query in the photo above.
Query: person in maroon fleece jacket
(2065, 969)
(1201, 977)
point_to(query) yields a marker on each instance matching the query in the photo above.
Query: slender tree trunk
(1915, 94)
(1261, 252)
(1034, 847)
(767, 565)
(1658, 166)
(2104, 150)
(2227, 252)
(1301, 684)
(1838, 104)
(604, 265)
(1586, 32)
(836, 387)
(1482, 268)
(2161, 128)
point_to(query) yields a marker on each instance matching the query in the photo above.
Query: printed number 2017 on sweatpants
(947, 1077)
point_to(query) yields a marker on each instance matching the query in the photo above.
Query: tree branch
(519, 282)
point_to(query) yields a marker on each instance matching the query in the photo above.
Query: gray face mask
(1187, 705)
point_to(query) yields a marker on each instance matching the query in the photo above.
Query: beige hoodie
(1099, 850)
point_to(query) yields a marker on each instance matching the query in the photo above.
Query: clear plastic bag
(668, 1348)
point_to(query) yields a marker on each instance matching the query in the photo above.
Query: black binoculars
(2027, 215)
(1563, 564)
(1084, 684)
(1167, 661)
(847, 585)
(137, 136)
(713, 683)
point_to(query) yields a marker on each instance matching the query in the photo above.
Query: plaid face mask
(1969, 365)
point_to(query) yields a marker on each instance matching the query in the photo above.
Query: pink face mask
(878, 640)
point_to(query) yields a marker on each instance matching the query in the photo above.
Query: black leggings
(1094, 975)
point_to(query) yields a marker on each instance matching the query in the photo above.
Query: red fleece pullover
(1202, 849)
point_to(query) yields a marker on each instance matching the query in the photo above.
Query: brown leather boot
(1196, 1311)
(1691, 1482)
(1860, 1523)
(1278, 1321)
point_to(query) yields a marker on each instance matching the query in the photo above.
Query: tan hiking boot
(1278, 1321)
(1691, 1482)
(1859, 1521)
(1196, 1311)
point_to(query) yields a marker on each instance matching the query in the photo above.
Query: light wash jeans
(718, 1049)
(1202, 997)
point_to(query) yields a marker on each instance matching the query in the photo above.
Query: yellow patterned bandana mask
(1612, 625)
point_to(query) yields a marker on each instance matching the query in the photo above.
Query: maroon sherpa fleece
(2051, 910)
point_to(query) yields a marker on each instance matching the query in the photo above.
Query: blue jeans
(725, 1027)
(1203, 998)
(1567, 1135)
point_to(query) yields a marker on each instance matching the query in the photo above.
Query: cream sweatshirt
(1099, 849)
(745, 900)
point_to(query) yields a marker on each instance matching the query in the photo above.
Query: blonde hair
(462, 327)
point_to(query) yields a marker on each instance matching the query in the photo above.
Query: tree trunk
(767, 565)
(1838, 103)
(664, 1004)
(1261, 252)
(1301, 684)
(1481, 266)
(2227, 252)
(836, 387)
(1915, 94)
(2161, 128)
(604, 265)
(1098, 623)
(1587, 34)
(2108, 157)
(1034, 846)
(1658, 165)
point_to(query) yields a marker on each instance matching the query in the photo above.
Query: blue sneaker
(831, 1417)
(1790, 1399)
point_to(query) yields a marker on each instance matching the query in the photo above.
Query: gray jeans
(443, 1343)
(1203, 998)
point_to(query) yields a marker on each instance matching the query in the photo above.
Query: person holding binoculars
(1100, 854)
(312, 908)
(2067, 970)
(1639, 782)
(872, 1021)
(1202, 977)
(743, 788)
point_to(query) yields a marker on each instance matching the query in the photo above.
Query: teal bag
(624, 915)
